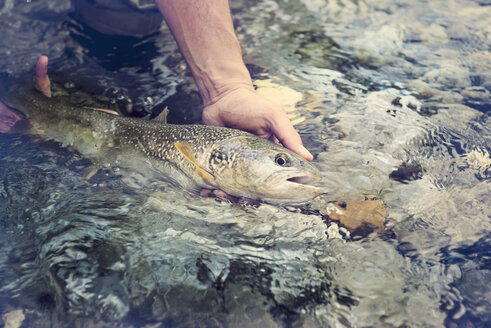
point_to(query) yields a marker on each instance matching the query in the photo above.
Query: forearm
(205, 34)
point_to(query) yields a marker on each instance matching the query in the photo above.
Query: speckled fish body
(194, 156)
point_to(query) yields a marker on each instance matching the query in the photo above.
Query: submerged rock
(361, 214)
(13, 319)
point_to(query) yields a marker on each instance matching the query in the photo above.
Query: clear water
(382, 83)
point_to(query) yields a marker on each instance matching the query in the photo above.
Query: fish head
(256, 168)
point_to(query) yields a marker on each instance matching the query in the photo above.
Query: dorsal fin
(186, 151)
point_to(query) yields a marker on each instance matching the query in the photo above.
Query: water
(382, 85)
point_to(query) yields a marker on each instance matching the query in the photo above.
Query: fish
(191, 156)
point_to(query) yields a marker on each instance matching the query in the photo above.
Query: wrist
(213, 85)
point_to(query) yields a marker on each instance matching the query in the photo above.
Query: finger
(42, 67)
(289, 137)
(248, 202)
(205, 192)
(220, 194)
(43, 83)
(8, 118)
(273, 138)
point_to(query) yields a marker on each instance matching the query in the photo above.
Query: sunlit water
(382, 82)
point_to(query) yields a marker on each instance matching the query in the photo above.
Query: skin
(43, 83)
(8, 119)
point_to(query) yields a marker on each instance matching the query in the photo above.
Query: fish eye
(281, 159)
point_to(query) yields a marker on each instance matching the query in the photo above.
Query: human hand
(8, 118)
(244, 109)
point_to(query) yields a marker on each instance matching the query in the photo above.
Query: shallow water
(381, 83)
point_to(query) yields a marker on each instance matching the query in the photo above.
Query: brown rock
(356, 211)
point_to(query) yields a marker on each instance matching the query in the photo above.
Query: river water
(391, 97)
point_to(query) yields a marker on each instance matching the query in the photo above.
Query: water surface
(381, 85)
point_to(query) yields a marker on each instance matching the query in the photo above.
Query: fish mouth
(291, 187)
(303, 179)
(309, 180)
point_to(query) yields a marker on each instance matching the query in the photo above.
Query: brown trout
(191, 156)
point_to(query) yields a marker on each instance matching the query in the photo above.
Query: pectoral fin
(89, 172)
(112, 112)
(187, 152)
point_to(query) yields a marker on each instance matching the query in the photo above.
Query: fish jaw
(292, 187)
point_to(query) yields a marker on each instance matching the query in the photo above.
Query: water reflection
(384, 85)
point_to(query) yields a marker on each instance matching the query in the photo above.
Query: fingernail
(306, 154)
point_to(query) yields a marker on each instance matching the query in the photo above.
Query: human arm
(205, 34)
